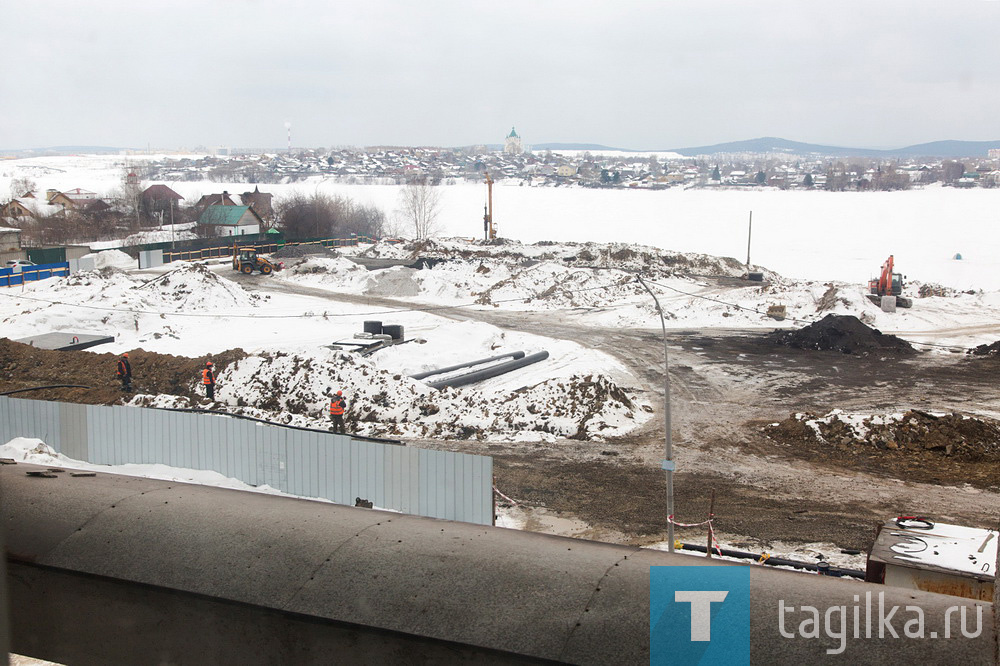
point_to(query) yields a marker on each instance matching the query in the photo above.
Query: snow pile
(323, 270)
(597, 284)
(184, 288)
(651, 261)
(193, 287)
(182, 305)
(158, 236)
(554, 286)
(37, 452)
(112, 259)
(385, 250)
(296, 389)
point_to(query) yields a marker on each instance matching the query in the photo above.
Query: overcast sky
(639, 75)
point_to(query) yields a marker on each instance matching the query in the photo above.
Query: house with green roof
(231, 220)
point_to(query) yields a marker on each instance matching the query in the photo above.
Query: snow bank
(296, 389)
(112, 259)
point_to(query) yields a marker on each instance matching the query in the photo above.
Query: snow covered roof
(78, 193)
(39, 207)
(952, 549)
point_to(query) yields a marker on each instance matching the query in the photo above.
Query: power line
(732, 305)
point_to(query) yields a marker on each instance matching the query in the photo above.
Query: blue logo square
(699, 615)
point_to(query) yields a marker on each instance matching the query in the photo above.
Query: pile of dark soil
(23, 366)
(968, 438)
(843, 333)
(986, 350)
(304, 250)
(918, 446)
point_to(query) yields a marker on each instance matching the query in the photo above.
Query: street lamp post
(668, 459)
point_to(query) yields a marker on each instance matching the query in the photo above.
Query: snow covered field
(813, 235)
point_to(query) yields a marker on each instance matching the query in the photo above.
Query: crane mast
(488, 229)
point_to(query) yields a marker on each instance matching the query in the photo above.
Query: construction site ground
(727, 388)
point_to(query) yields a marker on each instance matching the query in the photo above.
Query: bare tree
(419, 205)
(129, 195)
(322, 216)
(21, 185)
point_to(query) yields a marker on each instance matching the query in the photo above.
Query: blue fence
(10, 278)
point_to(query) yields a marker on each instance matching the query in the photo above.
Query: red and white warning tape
(711, 530)
(512, 501)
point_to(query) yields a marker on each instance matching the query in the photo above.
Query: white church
(512, 144)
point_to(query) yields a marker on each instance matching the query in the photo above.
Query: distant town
(559, 168)
(144, 197)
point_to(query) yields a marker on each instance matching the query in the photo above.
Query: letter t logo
(701, 610)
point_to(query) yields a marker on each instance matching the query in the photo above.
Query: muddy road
(725, 387)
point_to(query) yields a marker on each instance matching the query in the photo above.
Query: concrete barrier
(113, 569)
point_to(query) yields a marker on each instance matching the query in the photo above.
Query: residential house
(79, 195)
(260, 202)
(30, 206)
(59, 199)
(223, 199)
(231, 220)
(160, 199)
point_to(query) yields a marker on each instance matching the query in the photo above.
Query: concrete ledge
(501, 591)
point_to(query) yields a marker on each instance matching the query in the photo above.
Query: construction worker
(208, 380)
(125, 372)
(337, 407)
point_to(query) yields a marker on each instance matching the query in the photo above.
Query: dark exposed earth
(739, 403)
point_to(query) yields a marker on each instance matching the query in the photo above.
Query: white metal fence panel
(150, 258)
(440, 484)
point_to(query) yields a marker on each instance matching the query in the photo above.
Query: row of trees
(321, 215)
(298, 215)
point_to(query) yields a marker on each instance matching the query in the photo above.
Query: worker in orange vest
(337, 407)
(208, 380)
(125, 372)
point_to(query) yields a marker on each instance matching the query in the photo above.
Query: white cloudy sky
(631, 74)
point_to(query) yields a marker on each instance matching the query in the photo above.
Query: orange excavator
(888, 284)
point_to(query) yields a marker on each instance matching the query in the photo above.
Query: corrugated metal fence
(439, 484)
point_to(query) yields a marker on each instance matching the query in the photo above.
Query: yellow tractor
(246, 260)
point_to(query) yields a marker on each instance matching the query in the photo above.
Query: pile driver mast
(488, 229)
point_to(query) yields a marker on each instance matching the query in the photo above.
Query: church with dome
(512, 144)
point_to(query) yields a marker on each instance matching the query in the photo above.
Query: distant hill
(61, 150)
(772, 144)
(574, 146)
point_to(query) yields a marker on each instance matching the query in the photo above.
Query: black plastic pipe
(492, 371)
(778, 561)
(421, 375)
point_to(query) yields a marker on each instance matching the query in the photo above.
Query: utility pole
(490, 232)
(749, 232)
(668, 464)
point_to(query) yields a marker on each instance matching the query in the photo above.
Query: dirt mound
(304, 250)
(986, 350)
(915, 431)
(843, 333)
(24, 366)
